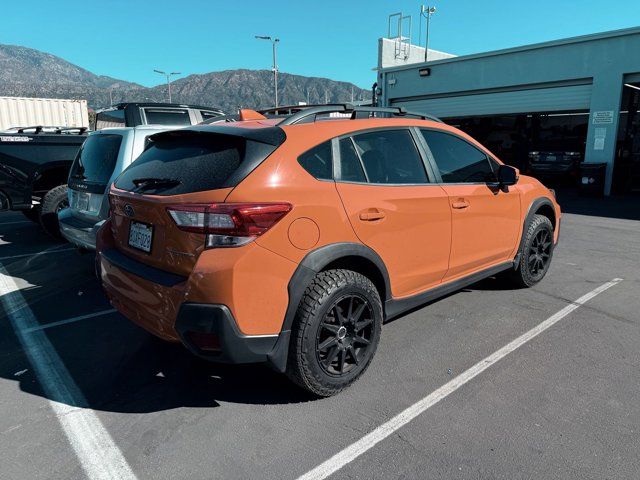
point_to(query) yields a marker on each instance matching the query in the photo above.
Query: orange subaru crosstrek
(291, 239)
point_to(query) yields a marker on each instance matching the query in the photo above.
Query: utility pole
(111, 97)
(168, 76)
(274, 47)
(426, 12)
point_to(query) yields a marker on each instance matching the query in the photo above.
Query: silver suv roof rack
(307, 115)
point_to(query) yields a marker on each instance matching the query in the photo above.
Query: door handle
(460, 204)
(371, 215)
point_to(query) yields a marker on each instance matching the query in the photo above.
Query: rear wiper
(145, 183)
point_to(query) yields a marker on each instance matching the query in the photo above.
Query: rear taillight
(228, 224)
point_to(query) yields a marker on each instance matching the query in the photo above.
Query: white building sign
(603, 117)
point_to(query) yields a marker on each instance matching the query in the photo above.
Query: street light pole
(168, 76)
(274, 47)
(427, 12)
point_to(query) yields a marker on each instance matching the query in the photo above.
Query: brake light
(228, 224)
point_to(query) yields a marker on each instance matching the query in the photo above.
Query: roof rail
(309, 114)
(291, 109)
(48, 129)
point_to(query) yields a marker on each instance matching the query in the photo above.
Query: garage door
(575, 97)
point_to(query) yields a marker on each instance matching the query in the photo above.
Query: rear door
(394, 209)
(485, 219)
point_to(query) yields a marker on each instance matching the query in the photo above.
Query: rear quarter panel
(317, 218)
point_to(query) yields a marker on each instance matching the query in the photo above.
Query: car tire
(33, 214)
(53, 201)
(335, 333)
(535, 255)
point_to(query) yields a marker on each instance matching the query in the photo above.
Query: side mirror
(507, 175)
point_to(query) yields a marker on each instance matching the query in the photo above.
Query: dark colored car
(556, 157)
(34, 166)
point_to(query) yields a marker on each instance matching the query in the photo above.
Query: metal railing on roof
(294, 114)
(36, 129)
(308, 114)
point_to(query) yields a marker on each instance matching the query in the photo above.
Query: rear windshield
(177, 164)
(96, 159)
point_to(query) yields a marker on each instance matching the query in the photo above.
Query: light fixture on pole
(274, 46)
(426, 12)
(168, 76)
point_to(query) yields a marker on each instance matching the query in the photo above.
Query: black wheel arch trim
(531, 211)
(313, 263)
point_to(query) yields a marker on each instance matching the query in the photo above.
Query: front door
(485, 219)
(393, 208)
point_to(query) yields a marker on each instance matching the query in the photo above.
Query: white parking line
(99, 456)
(367, 442)
(70, 320)
(45, 252)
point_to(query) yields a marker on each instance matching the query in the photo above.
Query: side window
(457, 160)
(206, 115)
(350, 166)
(390, 156)
(110, 118)
(168, 116)
(494, 166)
(318, 161)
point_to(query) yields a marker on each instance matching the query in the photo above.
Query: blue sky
(127, 39)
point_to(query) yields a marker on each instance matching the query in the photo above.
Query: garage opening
(549, 146)
(626, 172)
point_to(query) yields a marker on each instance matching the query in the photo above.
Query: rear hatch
(91, 172)
(190, 167)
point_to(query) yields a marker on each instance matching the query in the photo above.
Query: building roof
(534, 46)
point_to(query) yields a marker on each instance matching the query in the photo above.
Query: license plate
(551, 158)
(140, 236)
(82, 201)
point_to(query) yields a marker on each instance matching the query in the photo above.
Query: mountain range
(25, 72)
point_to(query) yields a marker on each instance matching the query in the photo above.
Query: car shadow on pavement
(117, 366)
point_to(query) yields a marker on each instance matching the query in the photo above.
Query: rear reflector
(228, 224)
(208, 342)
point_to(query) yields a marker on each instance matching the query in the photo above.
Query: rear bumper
(79, 232)
(161, 303)
(552, 168)
(217, 322)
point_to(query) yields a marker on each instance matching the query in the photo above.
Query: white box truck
(18, 112)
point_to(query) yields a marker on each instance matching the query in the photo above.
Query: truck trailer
(19, 112)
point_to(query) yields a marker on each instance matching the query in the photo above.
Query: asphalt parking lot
(562, 405)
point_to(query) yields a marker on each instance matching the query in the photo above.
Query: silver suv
(103, 156)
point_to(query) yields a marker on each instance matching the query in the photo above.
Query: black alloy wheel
(535, 254)
(345, 335)
(540, 253)
(335, 333)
